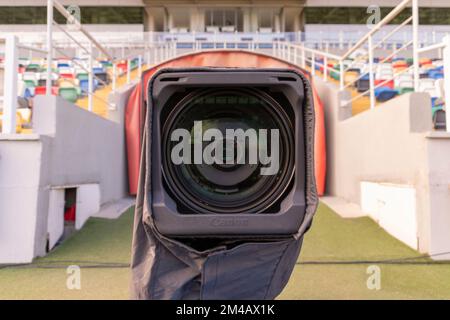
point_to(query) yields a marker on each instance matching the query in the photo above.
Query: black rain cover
(164, 268)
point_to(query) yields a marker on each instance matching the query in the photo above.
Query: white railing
(86, 44)
(303, 56)
(444, 47)
(10, 81)
(158, 47)
(366, 43)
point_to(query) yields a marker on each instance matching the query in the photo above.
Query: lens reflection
(233, 183)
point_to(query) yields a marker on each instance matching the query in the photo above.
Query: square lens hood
(167, 88)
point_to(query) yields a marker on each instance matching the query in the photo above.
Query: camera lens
(238, 151)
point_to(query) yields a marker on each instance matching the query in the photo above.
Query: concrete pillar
(198, 20)
(169, 18)
(193, 20)
(301, 18)
(277, 23)
(149, 20)
(254, 20)
(246, 19)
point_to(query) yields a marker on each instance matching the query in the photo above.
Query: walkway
(103, 247)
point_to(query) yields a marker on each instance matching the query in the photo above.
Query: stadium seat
(351, 76)
(399, 64)
(43, 82)
(101, 74)
(403, 90)
(439, 121)
(385, 93)
(30, 83)
(32, 68)
(363, 84)
(425, 61)
(84, 86)
(19, 122)
(106, 63)
(428, 85)
(67, 83)
(43, 90)
(69, 94)
(389, 84)
(82, 76)
(30, 78)
(122, 67)
(435, 74)
(67, 75)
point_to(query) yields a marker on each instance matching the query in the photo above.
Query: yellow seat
(19, 122)
(351, 76)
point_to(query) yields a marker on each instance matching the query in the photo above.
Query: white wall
(20, 167)
(77, 2)
(72, 147)
(391, 145)
(366, 3)
(393, 206)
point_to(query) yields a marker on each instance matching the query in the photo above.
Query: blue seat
(385, 93)
(28, 93)
(98, 70)
(439, 118)
(435, 74)
(84, 86)
(363, 84)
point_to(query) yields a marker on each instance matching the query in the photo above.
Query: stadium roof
(314, 3)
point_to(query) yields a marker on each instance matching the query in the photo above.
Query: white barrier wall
(389, 161)
(71, 148)
(393, 206)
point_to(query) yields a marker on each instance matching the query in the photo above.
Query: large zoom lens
(236, 184)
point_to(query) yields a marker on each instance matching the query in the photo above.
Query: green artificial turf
(318, 275)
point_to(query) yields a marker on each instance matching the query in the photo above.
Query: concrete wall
(71, 147)
(20, 167)
(391, 144)
(438, 156)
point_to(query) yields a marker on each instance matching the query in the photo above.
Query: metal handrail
(367, 38)
(394, 13)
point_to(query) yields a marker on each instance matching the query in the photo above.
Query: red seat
(43, 90)
(389, 84)
(122, 66)
(70, 213)
(67, 75)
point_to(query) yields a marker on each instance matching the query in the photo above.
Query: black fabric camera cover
(169, 268)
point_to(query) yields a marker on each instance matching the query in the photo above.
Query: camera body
(223, 183)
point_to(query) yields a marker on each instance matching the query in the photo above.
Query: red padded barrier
(135, 110)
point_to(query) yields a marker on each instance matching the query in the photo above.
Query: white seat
(405, 84)
(429, 86)
(439, 85)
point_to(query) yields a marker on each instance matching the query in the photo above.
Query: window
(265, 18)
(89, 15)
(228, 19)
(359, 15)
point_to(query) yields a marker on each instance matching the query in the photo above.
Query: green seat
(29, 83)
(83, 76)
(33, 67)
(435, 109)
(133, 65)
(404, 90)
(69, 94)
(335, 75)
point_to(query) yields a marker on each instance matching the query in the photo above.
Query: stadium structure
(69, 73)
